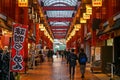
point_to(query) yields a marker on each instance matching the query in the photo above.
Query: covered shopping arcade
(30, 27)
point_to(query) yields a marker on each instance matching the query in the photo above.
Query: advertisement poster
(18, 42)
(97, 53)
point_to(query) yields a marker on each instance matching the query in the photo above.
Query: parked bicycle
(114, 69)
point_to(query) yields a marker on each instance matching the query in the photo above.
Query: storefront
(110, 36)
(5, 32)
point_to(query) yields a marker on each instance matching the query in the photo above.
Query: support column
(17, 13)
(26, 41)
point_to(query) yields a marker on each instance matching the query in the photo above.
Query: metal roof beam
(60, 34)
(59, 27)
(59, 31)
(59, 37)
(58, 8)
(59, 19)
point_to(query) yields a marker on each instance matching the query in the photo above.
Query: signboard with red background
(18, 42)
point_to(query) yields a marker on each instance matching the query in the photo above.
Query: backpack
(83, 59)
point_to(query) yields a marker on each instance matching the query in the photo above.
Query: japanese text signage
(86, 16)
(23, 3)
(96, 3)
(88, 9)
(18, 42)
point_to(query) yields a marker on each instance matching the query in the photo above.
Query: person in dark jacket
(4, 66)
(67, 55)
(1, 62)
(82, 64)
(72, 63)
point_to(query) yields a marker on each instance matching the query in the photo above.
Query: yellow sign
(86, 16)
(77, 26)
(96, 3)
(82, 20)
(23, 3)
(88, 9)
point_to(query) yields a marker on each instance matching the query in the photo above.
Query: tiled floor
(58, 70)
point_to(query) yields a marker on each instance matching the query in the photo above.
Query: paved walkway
(58, 70)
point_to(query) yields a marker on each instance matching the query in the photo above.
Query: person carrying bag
(72, 63)
(82, 59)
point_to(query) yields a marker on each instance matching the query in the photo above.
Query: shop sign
(96, 3)
(82, 20)
(23, 3)
(18, 42)
(86, 16)
(88, 9)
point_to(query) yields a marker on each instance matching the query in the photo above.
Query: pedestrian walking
(72, 63)
(67, 55)
(82, 59)
(1, 63)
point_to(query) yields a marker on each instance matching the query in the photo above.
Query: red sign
(18, 42)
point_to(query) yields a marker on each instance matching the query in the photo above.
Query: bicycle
(115, 70)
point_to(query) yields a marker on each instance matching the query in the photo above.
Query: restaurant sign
(23, 3)
(96, 3)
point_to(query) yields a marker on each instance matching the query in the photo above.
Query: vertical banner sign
(18, 42)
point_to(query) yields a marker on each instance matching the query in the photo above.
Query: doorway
(117, 50)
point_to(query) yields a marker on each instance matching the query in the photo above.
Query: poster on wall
(18, 42)
(97, 53)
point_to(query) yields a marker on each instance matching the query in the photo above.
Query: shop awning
(116, 25)
(107, 28)
(3, 25)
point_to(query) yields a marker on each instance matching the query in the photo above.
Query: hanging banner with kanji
(18, 42)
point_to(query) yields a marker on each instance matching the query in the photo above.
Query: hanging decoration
(18, 42)
(96, 3)
(86, 16)
(88, 9)
(23, 3)
(83, 20)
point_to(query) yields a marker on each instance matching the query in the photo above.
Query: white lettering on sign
(18, 38)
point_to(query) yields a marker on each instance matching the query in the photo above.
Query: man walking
(72, 63)
(82, 61)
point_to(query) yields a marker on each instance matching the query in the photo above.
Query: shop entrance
(117, 49)
(117, 55)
